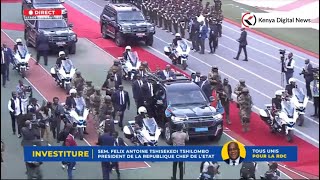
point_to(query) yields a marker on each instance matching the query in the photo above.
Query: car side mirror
(211, 99)
(70, 25)
(148, 18)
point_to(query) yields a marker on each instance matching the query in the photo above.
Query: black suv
(187, 104)
(60, 35)
(124, 22)
(45, 4)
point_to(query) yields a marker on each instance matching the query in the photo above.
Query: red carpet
(12, 26)
(260, 133)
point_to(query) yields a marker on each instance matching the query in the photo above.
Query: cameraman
(179, 138)
(307, 73)
(29, 134)
(33, 168)
(289, 67)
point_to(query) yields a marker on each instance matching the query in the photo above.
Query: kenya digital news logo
(248, 20)
(38, 14)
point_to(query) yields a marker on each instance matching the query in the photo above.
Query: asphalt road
(100, 64)
(262, 72)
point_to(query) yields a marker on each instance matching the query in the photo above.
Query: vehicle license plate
(201, 129)
(60, 43)
(141, 34)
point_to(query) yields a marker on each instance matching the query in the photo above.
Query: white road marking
(189, 42)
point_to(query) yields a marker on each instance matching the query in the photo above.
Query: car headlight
(126, 28)
(73, 37)
(217, 116)
(152, 28)
(178, 119)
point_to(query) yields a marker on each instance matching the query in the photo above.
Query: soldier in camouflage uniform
(175, 22)
(160, 16)
(214, 77)
(164, 17)
(238, 89)
(245, 104)
(183, 23)
(106, 108)
(219, 22)
(168, 18)
(116, 67)
(78, 82)
(146, 66)
(95, 102)
(144, 7)
(87, 92)
(153, 11)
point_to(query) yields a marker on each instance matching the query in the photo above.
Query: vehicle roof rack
(179, 78)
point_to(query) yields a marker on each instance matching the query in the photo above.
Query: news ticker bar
(157, 153)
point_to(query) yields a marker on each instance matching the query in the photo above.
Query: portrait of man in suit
(234, 154)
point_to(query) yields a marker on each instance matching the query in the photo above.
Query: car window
(32, 22)
(186, 96)
(46, 2)
(130, 16)
(50, 24)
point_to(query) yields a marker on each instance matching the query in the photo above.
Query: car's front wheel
(120, 42)
(149, 41)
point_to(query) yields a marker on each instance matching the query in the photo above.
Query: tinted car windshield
(49, 24)
(186, 96)
(46, 2)
(130, 16)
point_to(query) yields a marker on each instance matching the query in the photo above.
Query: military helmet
(78, 73)
(245, 90)
(116, 62)
(18, 40)
(214, 67)
(242, 81)
(88, 82)
(97, 89)
(145, 63)
(107, 98)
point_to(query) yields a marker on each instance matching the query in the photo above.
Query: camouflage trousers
(245, 115)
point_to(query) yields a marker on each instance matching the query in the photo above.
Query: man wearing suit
(234, 154)
(308, 76)
(106, 140)
(8, 58)
(121, 101)
(242, 45)
(3, 69)
(148, 94)
(70, 141)
(137, 91)
(118, 141)
(16, 112)
(70, 101)
(167, 73)
(205, 86)
(202, 36)
(42, 44)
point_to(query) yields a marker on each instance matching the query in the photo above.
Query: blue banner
(157, 153)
